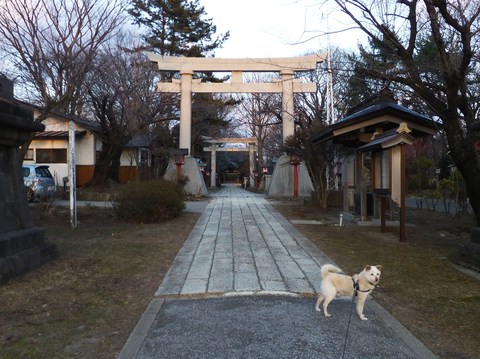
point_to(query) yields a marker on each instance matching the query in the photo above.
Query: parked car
(38, 182)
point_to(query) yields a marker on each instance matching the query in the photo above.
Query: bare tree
(52, 44)
(430, 47)
(259, 115)
(124, 101)
(311, 116)
(209, 118)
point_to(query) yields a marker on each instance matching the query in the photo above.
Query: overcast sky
(276, 28)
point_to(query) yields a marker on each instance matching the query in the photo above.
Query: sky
(278, 28)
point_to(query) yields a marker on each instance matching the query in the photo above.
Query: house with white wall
(51, 148)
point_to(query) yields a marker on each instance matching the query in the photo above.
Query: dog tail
(329, 268)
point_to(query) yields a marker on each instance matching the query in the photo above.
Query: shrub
(149, 201)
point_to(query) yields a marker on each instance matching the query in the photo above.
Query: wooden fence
(85, 174)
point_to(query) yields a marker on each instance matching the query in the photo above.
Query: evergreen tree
(177, 27)
(181, 28)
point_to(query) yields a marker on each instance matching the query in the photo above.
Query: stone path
(241, 244)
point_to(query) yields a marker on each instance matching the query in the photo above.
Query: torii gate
(252, 144)
(287, 85)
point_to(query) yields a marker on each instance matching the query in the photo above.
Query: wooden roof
(387, 139)
(359, 128)
(57, 134)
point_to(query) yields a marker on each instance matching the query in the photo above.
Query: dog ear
(368, 267)
(379, 267)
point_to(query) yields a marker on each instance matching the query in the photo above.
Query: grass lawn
(86, 303)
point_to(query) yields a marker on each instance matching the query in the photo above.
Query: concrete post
(288, 125)
(72, 177)
(186, 111)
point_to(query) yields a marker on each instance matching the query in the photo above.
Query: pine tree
(177, 27)
(181, 28)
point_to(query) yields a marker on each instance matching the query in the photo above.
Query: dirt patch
(86, 303)
(420, 285)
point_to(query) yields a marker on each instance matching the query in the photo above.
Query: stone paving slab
(241, 244)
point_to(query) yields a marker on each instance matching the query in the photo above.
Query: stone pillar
(288, 125)
(186, 111)
(252, 164)
(213, 175)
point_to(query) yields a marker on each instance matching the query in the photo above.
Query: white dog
(335, 284)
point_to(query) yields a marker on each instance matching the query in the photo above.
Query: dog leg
(319, 301)
(360, 305)
(325, 305)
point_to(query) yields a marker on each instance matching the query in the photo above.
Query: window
(29, 155)
(52, 155)
(43, 172)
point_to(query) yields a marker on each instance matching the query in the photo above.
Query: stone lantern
(22, 245)
(178, 155)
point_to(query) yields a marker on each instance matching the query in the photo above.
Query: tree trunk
(114, 170)
(100, 174)
(101, 171)
(471, 174)
(464, 157)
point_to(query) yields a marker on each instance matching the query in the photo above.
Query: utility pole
(331, 118)
(330, 100)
